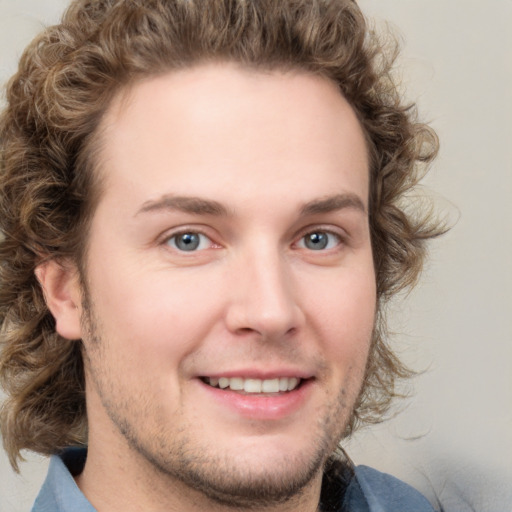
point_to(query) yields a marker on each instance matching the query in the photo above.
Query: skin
(269, 159)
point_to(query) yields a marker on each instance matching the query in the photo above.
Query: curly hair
(66, 80)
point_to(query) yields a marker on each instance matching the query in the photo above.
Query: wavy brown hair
(66, 80)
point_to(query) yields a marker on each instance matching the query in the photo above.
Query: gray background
(453, 440)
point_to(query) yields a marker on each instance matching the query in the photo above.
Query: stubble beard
(221, 479)
(235, 485)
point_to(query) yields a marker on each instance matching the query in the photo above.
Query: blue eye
(190, 241)
(319, 240)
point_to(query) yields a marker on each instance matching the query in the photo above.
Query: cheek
(344, 312)
(157, 317)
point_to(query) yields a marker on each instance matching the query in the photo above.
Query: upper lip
(252, 373)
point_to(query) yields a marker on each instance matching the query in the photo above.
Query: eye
(319, 240)
(189, 241)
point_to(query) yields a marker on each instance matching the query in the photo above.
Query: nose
(264, 301)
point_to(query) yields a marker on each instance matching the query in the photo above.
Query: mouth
(271, 397)
(255, 386)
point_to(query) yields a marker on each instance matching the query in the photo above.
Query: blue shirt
(367, 490)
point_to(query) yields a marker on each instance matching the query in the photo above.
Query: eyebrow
(200, 206)
(194, 205)
(333, 203)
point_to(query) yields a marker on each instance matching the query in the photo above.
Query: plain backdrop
(453, 438)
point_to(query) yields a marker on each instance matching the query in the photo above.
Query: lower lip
(262, 407)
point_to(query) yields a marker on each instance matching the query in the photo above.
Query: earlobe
(61, 288)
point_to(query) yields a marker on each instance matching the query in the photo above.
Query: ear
(62, 292)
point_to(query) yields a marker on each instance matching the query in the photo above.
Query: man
(202, 217)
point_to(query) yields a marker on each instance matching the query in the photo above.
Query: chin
(250, 483)
(249, 473)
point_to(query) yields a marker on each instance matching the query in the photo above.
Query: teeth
(292, 383)
(270, 386)
(255, 385)
(252, 386)
(236, 384)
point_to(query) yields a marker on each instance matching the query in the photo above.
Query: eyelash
(333, 240)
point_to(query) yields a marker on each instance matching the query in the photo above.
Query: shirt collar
(344, 488)
(60, 492)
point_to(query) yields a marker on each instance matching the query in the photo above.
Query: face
(231, 290)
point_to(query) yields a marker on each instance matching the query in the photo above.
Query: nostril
(245, 330)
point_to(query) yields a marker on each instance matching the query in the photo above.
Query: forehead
(220, 128)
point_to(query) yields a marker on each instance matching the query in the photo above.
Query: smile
(276, 385)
